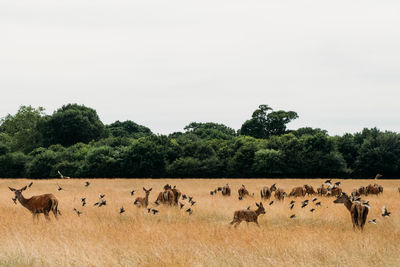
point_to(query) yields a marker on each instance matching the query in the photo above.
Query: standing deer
(177, 195)
(248, 215)
(243, 192)
(226, 190)
(266, 191)
(143, 201)
(298, 192)
(322, 190)
(280, 194)
(38, 204)
(166, 197)
(309, 189)
(358, 210)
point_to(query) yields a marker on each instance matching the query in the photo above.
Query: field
(103, 237)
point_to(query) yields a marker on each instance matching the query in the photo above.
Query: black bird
(190, 211)
(87, 183)
(314, 199)
(181, 205)
(293, 216)
(385, 212)
(101, 202)
(15, 200)
(59, 187)
(30, 184)
(190, 199)
(211, 192)
(318, 203)
(133, 192)
(240, 198)
(312, 210)
(219, 189)
(83, 200)
(337, 183)
(215, 191)
(101, 196)
(157, 202)
(291, 206)
(121, 210)
(272, 202)
(329, 181)
(248, 208)
(148, 210)
(184, 197)
(193, 202)
(366, 203)
(77, 212)
(292, 202)
(372, 221)
(154, 211)
(303, 204)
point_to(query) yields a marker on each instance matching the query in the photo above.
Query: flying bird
(154, 211)
(30, 184)
(148, 210)
(329, 181)
(304, 203)
(121, 210)
(87, 183)
(318, 203)
(385, 212)
(314, 199)
(378, 176)
(190, 211)
(211, 192)
(293, 216)
(272, 202)
(181, 205)
(184, 197)
(62, 176)
(77, 212)
(190, 199)
(291, 206)
(337, 183)
(192, 203)
(83, 200)
(101, 202)
(312, 210)
(101, 196)
(133, 192)
(59, 187)
(372, 221)
(292, 202)
(248, 208)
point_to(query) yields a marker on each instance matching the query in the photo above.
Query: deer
(373, 189)
(166, 197)
(322, 190)
(248, 215)
(357, 209)
(334, 191)
(298, 192)
(243, 192)
(226, 190)
(143, 201)
(266, 191)
(309, 189)
(177, 195)
(280, 194)
(38, 204)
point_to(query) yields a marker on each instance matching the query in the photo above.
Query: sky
(164, 64)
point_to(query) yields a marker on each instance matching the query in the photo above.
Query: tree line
(74, 141)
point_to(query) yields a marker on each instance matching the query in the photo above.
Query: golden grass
(102, 237)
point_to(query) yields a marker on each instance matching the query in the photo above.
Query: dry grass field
(103, 237)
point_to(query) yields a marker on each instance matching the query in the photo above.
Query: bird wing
(384, 210)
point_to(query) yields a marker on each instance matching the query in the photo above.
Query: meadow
(103, 237)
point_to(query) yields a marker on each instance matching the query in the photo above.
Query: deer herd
(171, 196)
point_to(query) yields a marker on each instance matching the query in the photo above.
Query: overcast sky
(165, 64)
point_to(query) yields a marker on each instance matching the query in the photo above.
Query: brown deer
(247, 215)
(322, 190)
(38, 204)
(358, 210)
(177, 195)
(243, 192)
(309, 189)
(373, 189)
(166, 197)
(280, 194)
(266, 191)
(226, 190)
(334, 191)
(143, 201)
(298, 192)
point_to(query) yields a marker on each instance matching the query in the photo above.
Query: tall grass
(103, 237)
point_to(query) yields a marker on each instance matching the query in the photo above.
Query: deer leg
(46, 215)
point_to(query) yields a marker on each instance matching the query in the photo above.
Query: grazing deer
(166, 197)
(143, 201)
(226, 190)
(280, 194)
(298, 192)
(309, 189)
(247, 215)
(243, 192)
(358, 210)
(38, 204)
(266, 191)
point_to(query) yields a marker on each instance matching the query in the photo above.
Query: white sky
(165, 64)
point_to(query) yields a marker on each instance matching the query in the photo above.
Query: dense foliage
(74, 141)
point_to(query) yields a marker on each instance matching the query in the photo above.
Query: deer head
(260, 209)
(342, 198)
(147, 191)
(273, 187)
(18, 192)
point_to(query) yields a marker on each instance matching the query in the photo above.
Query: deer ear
(144, 189)
(261, 204)
(257, 205)
(12, 189)
(23, 188)
(150, 189)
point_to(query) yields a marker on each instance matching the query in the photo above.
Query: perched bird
(154, 211)
(59, 187)
(372, 221)
(121, 210)
(312, 210)
(77, 212)
(15, 200)
(30, 184)
(133, 192)
(291, 206)
(157, 202)
(314, 199)
(293, 216)
(385, 212)
(181, 205)
(318, 203)
(190, 211)
(87, 183)
(184, 197)
(292, 202)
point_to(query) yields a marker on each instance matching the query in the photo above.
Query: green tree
(72, 124)
(265, 122)
(210, 130)
(128, 129)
